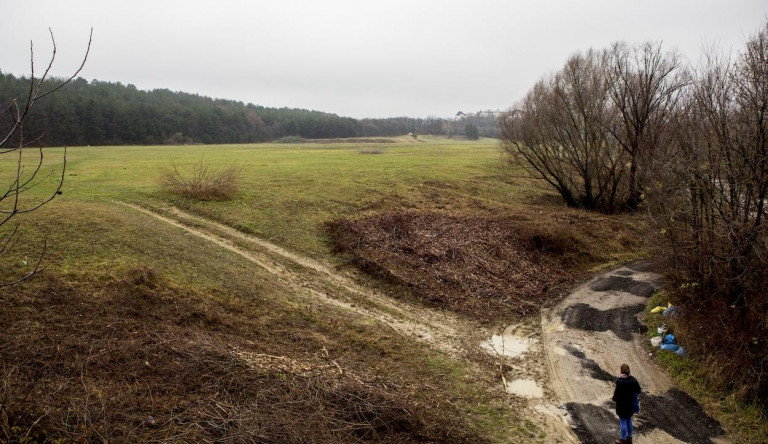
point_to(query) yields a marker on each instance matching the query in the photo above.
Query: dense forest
(106, 113)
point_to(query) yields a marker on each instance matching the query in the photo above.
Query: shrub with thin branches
(202, 181)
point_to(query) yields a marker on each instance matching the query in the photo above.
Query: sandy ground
(588, 336)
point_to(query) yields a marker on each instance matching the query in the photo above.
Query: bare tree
(709, 191)
(14, 143)
(559, 134)
(645, 84)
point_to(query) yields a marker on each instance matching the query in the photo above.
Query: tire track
(444, 331)
(320, 282)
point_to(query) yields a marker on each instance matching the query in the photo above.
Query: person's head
(624, 369)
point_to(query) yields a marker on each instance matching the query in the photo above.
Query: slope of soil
(492, 269)
(130, 353)
(586, 339)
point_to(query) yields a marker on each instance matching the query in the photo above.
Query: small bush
(202, 182)
(370, 151)
(290, 139)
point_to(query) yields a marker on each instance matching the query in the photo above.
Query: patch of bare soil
(492, 269)
(622, 321)
(133, 358)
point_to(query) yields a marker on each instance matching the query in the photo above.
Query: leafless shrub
(202, 181)
(370, 151)
(23, 175)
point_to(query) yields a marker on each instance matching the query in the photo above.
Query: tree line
(632, 128)
(106, 113)
(471, 125)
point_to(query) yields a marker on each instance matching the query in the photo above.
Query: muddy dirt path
(320, 282)
(588, 336)
(514, 356)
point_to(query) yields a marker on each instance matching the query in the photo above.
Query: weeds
(133, 358)
(290, 139)
(746, 422)
(489, 268)
(202, 181)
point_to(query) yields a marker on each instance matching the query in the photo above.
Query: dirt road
(588, 336)
(322, 283)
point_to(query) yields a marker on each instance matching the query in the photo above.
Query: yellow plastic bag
(658, 309)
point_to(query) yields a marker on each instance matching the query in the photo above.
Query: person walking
(625, 395)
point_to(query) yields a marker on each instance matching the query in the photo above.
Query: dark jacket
(627, 388)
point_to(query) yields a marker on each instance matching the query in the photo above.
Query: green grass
(288, 193)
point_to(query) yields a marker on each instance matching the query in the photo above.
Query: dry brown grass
(133, 358)
(202, 181)
(492, 268)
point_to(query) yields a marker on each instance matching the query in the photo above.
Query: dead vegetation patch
(491, 268)
(133, 358)
(202, 181)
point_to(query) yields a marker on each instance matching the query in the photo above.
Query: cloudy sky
(359, 58)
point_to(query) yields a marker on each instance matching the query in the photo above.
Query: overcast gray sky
(355, 58)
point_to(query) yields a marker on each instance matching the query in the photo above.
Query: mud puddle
(508, 343)
(527, 388)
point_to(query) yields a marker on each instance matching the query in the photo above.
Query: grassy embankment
(138, 331)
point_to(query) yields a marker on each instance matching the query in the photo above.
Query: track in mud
(675, 412)
(319, 282)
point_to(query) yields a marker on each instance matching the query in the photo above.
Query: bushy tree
(589, 129)
(644, 84)
(471, 132)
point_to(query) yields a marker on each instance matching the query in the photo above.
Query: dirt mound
(134, 358)
(623, 283)
(489, 268)
(621, 321)
(678, 414)
(674, 412)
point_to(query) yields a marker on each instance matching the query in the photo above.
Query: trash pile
(665, 340)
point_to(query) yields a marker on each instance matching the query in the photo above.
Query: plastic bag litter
(669, 311)
(681, 352)
(670, 347)
(658, 309)
(668, 339)
(662, 329)
(656, 341)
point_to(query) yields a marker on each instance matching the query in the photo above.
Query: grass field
(289, 191)
(137, 329)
